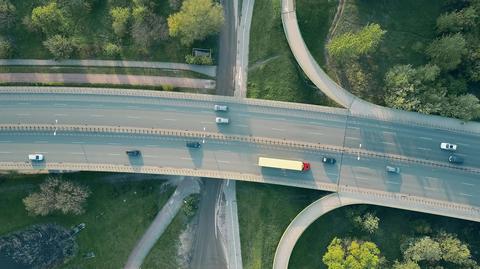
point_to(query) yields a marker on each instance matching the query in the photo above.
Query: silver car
(448, 146)
(220, 120)
(220, 108)
(392, 169)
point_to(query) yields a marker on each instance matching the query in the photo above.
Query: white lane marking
(41, 141)
(133, 117)
(388, 143)
(61, 105)
(149, 156)
(355, 128)
(465, 194)
(430, 188)
(351, 137)
(426, 138)
(390, 133)
(77, 153)
(5, 141)
(111, 143)
(221, 161)
(432, 178)
(277, 129)
(96, 115)
(23, 114)
(331, 174)
(462, 144)
(186, 158)
(170, 119)
(4, 152)
(170, 109)
(152, 145)
(423, 149)
(23, 103)
(362, 178)
(60, 115)
(468, 184)
(315, 133)
(114, 154)
(206, 122)
(392, 182)
(78, 142)
(242, 125)
(132, 106)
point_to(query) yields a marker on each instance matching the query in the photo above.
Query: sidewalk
(234, 251)
(209, 70)
(161, 222)
(71, 78)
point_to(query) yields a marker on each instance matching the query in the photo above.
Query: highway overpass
(93, 128)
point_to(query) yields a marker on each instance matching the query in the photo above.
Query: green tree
(120, 19)
(6, 50)
(368, 222)
(457, 21)
(352, 45)
(406, 265)
(465, 107)
(356, 255)
(413, 89)
(447, 51)
(334, 258)
(57, 195)
(111, 49)
(453, 250)
(59, 46)
(423, 249)
(7, 14)
(50, 19)
(196, 20)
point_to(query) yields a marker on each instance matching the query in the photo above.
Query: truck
(283, 164)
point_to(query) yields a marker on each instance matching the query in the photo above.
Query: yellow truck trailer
(283, 164)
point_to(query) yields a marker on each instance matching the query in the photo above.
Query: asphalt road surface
(367, 172)
(316, 127)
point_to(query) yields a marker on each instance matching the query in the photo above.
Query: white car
(35, 157)
(220, 108)
(448, 146)
(220, 120)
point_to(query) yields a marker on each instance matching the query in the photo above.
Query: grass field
(273, 72)
(118, 212)
(96, 29)
(395, 226)
(103, 70)
(264, 211)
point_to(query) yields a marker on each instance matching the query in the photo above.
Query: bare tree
(57, 195)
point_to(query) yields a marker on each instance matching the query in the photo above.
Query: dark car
(455, 159)
(328, 160)
(193, 144)
(133, 153)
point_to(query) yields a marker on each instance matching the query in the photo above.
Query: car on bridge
(193, 144)
(392, 169)
(448, 146)
(220, 120)
(133, 153)
(328, 160)
(220, 108)
(455, 159)
(36, 157)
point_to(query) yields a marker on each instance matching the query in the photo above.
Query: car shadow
(136, 162)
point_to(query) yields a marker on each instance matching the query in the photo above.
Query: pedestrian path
(208, 70)
(112, 79)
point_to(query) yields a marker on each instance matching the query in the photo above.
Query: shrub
(61, 47)
(203, 60)
(111, 49)
(5, 49)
